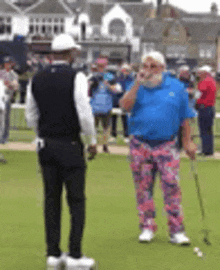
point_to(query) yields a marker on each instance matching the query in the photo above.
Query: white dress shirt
(83, 108)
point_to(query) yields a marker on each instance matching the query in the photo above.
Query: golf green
(111, 232)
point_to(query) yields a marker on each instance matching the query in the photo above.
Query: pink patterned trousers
(165, 158)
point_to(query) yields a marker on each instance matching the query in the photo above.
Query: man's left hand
(190, 149)
(92, 150)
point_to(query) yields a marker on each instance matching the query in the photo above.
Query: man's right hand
(92, 150)
(140, 77)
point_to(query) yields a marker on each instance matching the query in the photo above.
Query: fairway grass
(111, 231)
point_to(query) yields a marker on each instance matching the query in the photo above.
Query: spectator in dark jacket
(187, 79)
(125, 79)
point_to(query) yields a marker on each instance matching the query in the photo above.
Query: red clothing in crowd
(208, 89)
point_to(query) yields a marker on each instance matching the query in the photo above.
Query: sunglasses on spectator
(152, 66)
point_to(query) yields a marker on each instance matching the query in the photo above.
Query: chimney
(159, 4)
(214, 9)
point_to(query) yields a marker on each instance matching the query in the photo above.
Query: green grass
(111, 230)
(217, 105)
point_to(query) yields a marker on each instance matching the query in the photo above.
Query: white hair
(157, 56)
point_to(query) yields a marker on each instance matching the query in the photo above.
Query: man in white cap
(158, 105)
(206, 109)
(58, 107)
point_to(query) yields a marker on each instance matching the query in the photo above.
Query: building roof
(138, 11)
(202, 31)
(7, 7)
(49, 7)
(77, 4)
(174, 11)
(23, 4)
(198, 31)
(153, 30)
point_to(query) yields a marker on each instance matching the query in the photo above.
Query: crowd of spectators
(108, 83)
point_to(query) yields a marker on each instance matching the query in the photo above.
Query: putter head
(206, 241)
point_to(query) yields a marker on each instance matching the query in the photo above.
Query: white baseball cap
(205, 68)
(157, 56)
(63, 42)
(126, 67)
(184, 68)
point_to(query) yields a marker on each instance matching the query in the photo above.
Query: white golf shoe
(55, 263)
(146, 236)
(126, 140)
(180, 239)
(83, 263)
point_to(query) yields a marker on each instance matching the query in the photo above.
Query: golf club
(205, 230)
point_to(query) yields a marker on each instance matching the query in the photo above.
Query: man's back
(56, 102)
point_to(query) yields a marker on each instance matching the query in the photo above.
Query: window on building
(5, 25)
(95, 54)
(84, 54)
(117, 28)
(8, 29)
(174, 31)
(148, 47)
(176, 51)
(46, 26)
(137, 31)
(83, 30)
(31, 29)
(96, 31)
(207, 50)
(56, 29)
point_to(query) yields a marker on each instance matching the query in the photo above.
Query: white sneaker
(126, 140)
(180, 239)
(83, 263)
(112, 140)
(54, 263)
(146, 235)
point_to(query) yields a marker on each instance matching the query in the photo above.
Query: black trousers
(124, 119)
(23, 90)
(63, 164)
(206, 121)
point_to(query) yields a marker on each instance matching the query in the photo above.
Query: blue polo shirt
(158, 112)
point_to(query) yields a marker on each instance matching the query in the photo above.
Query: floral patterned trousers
(165, 158)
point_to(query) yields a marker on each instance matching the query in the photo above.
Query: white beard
(154, 81)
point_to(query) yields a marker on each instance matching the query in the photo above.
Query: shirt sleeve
(211, 85)
(185, 110)
(83, 108)
(32, 112)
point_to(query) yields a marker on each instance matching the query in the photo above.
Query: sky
(193, 5)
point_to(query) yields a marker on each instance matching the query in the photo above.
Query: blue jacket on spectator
(125, 82)
(101, 97)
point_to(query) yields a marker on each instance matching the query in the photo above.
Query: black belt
(58, 144)
(140, 138)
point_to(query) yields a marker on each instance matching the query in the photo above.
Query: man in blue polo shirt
(158, 105)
